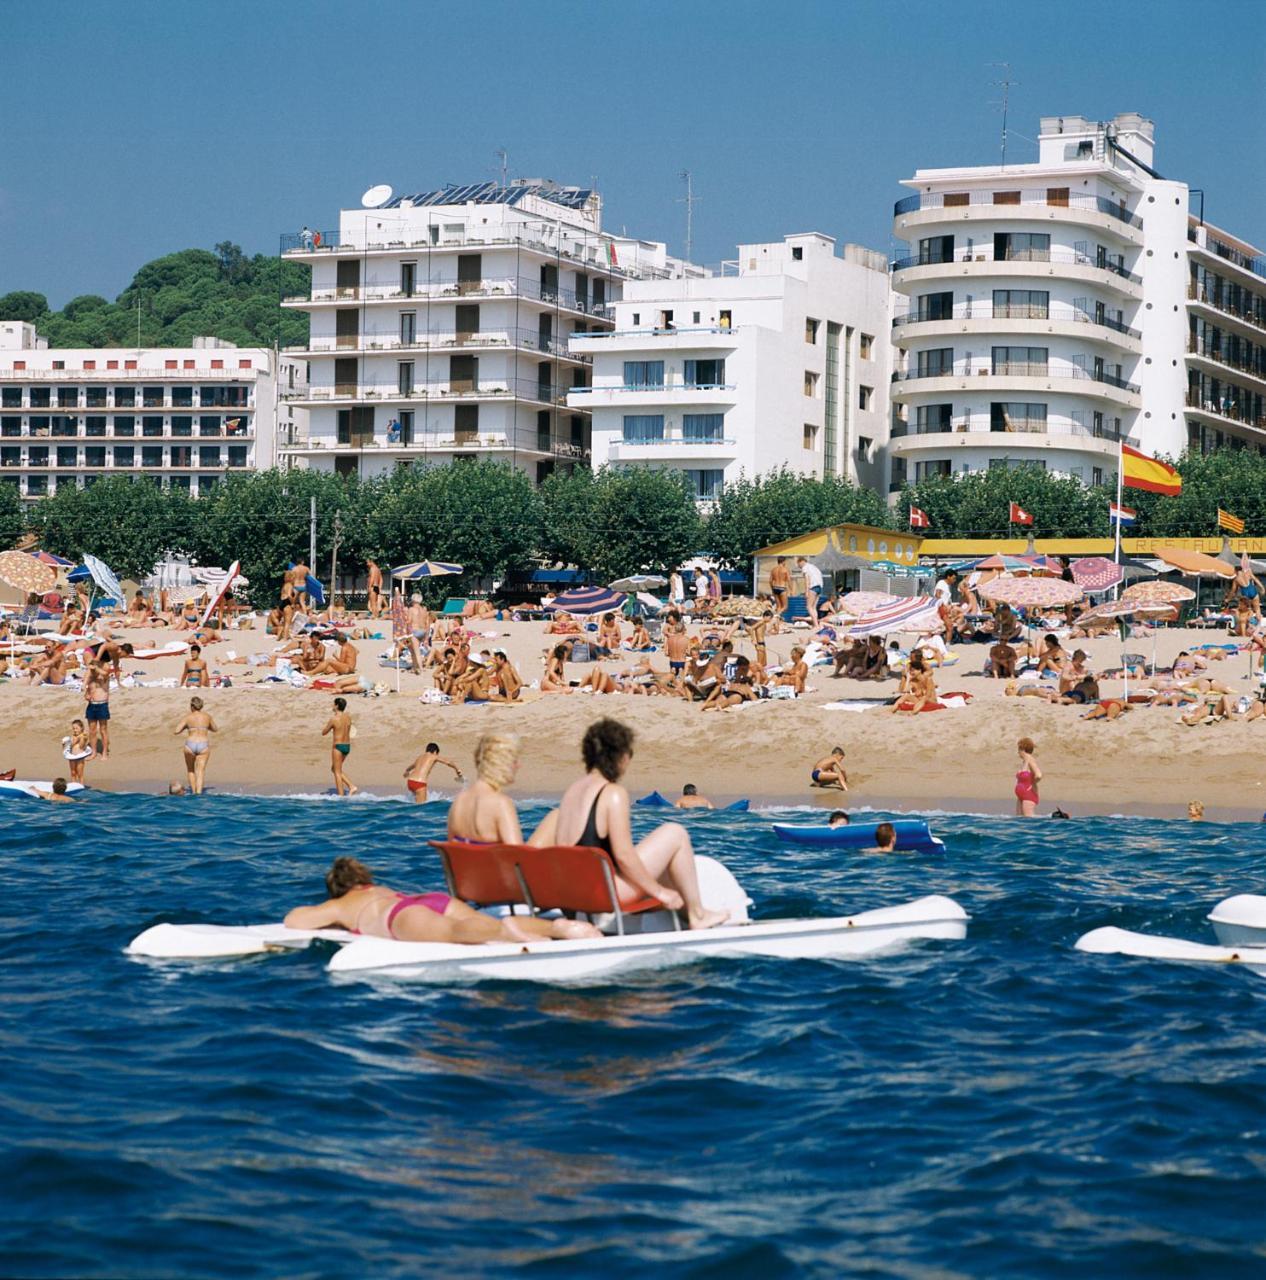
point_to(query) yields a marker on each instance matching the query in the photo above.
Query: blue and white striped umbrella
(425, 569)
(588, 600)
(106, 582)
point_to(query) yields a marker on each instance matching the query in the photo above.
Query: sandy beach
(270, 740)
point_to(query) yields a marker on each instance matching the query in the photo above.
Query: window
(641, 374)
(151, 425)
(404, 377)
(209, 455)
(124, 397)
(181, 456)
(1021, 361)
(1006, 197)
(124, 425)
(67, 455)
(702, 427)
(936, 248)
(152, 397)
(41, 398)
(169, 364)
(643, 428)
(182, 397)
(705, 373)
(1021, 304)
(810, 330)
(182, 425)
(37, 456)
(930, 419)
(810, 383)
(95, 397)
(10, 426)
(67, 397)
(937, 363)
(237, 455)
(95, 456)
(406, 428)
(725, 321)
(209, 425)
(1010, 464)
(408, 278)
(244, 364)
(864, 395)
(665, 320)
(706, 484)
(1096, 475)
(797, 253)
(933, 467)
(94, 426)
(11, 397)
(152, 455)
(866, 345)
(408, 328)
(810, 436)
(1017, 415)
(59, 364)
(694, 317)
(637, 319)
(864, 444)
(1057, 196)
(124, 455)
(1021, 246)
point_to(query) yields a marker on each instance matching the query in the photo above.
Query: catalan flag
(1139, 471)
(1232, 524)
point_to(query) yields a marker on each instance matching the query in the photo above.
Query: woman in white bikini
(197, 726)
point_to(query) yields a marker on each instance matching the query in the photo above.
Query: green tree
(12, 517)
(757, 512)
(22, 304)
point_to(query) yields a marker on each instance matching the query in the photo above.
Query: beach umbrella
(53, 562)
(1168, 593)
(1096, 573)
(648, 601)
(1036, 593)
(1195, 563)
(740, 607)
(425, 569)
(588, 600)
(25, 572)
(103, 578)
(860, 603)
(918, 613)
(1008, 563)
(80, 573)
(213, 577)
(218, 594)
(639, 582)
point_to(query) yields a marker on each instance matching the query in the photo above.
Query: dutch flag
(1119, 514)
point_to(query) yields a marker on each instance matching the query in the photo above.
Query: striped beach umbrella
(919, 613)
(425, 569)
(53, 562)
(104, 578)
(588, 600)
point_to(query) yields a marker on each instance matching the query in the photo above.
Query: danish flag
(919, 519)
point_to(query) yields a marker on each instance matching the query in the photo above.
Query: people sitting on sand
(594, 812)
(1002, 661)
(343, 662)
(609, 636)
(740, 688)
(562, 624)
(1050, 655)
(507, 682)
(359, 904)
(918, 689)
(554, 679)
(640, 640)
(795, 674)
(1074, 671)
(474, 684)
(691, 799)
(829, 771)
(138, 612)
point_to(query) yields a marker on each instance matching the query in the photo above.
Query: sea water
(1002, 1107)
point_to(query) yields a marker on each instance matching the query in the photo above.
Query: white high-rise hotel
(1049, 310)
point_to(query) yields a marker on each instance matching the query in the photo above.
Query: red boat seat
(570, 878)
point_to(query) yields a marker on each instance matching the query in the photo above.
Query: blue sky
(133, 128)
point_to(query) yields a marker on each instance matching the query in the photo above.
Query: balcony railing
(455, 291)
(1225, 408)
(987, 311)
(484, 389)
(1255, 263)
(129, 376)
(528, 339)
(985, 253)
(438, 442)
(676, 440)
(663, 390)
(984, 424)
(1254, 370)
(1072, 200)
(1255, 317)
(1015, 369)
(671, 331)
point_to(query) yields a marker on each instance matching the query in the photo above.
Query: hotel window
(11, 426)
(726, 321)
(181, 455)
(124, 455)
(705, 484)
(41, 397)
(640, 374)
(643, 428)
(237, 455)
(209, 455)
(705, 373)
(1021, 361)
(864, 396)
(936, 306)
(151, 426)
(152, 397)
(182, 425)
(36, 486)
(95, 456)
(703, 427)
(11, 397)
(38, 425)
(936, 467)
(406, 426)
(810, 436)
(209, 425)
(1096, 476)
(936, 248)
(179, 482)
(866, 346)
(37, 456)
(404, 377)
(931, 419)
(124, 397)
(811, 330)
(408, 278)
(1017, 415)
(810, 383)
(408, 328)
(1021, 246)
(152, 455)
(797, 253)
(1021, 304)
(10, 456)
(125, 425)
(182, 397)
(67, 397)
(67, 455)
(95, 398)
(937, 363)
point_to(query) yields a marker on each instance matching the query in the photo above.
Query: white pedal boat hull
(586, 958)
(1150, 946)
(868, 932)
(1240, 921)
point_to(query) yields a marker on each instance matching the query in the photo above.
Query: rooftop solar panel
(493, 193)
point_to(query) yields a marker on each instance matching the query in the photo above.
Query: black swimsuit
(589, 837)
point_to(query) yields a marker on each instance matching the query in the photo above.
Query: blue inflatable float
(657, 801)
(912, 835)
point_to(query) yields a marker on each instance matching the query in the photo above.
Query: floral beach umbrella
(1037, 593)
(25, 572)
(1158, 593)
(1096, 573)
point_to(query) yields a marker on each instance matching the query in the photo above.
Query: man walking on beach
(340, 726)
(375, 590)
(780, 585)
(812, 587)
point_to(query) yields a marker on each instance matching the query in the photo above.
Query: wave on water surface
(1002, 1106)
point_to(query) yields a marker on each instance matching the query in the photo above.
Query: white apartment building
(781, 360)
(1049, 310)
(440, 325)
(182, 416)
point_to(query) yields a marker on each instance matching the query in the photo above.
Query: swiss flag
(919, 519)
(1019, 515)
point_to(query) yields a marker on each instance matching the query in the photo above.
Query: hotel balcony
(433, 393)
(1017, 379)
(1056, 320)
(979, 262)
(1047, 205)
(1028, 436)
(648, 399)
(1221, 366)
(424, 443)
(522, 290)
(1227, 415)
(672, 448)
(698, 338)
(369, 344)
(1249, 266)
(128, 376)
(1207, 303)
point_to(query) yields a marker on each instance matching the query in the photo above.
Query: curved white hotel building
(1041, 308)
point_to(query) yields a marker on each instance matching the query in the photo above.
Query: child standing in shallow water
(417, 775)
(76, 749)
(1026, 780)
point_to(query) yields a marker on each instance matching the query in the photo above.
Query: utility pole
(312, 532)
(1006, 84)
(689, 200)
(338, 538)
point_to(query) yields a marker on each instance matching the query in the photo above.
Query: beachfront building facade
(441, 324)
(1048, 311)
(781, 359)
(183, 417)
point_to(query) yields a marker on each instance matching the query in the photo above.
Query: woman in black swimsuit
(595, 813)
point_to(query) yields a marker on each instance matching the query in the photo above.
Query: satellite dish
(376, 197)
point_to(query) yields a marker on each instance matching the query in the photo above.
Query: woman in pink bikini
(359, 904)
(1026, 780)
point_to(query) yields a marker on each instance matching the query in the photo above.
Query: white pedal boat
(834, 937)
(1240, 925)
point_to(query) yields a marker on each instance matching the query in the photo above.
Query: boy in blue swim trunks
(829, 771)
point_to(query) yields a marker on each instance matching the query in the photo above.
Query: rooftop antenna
(1006, 84)
(501, 155)
(689, 200)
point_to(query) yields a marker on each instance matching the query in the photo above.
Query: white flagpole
(1116, 555)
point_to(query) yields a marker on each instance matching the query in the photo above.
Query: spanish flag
(1232, 524)
(1138, 471)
